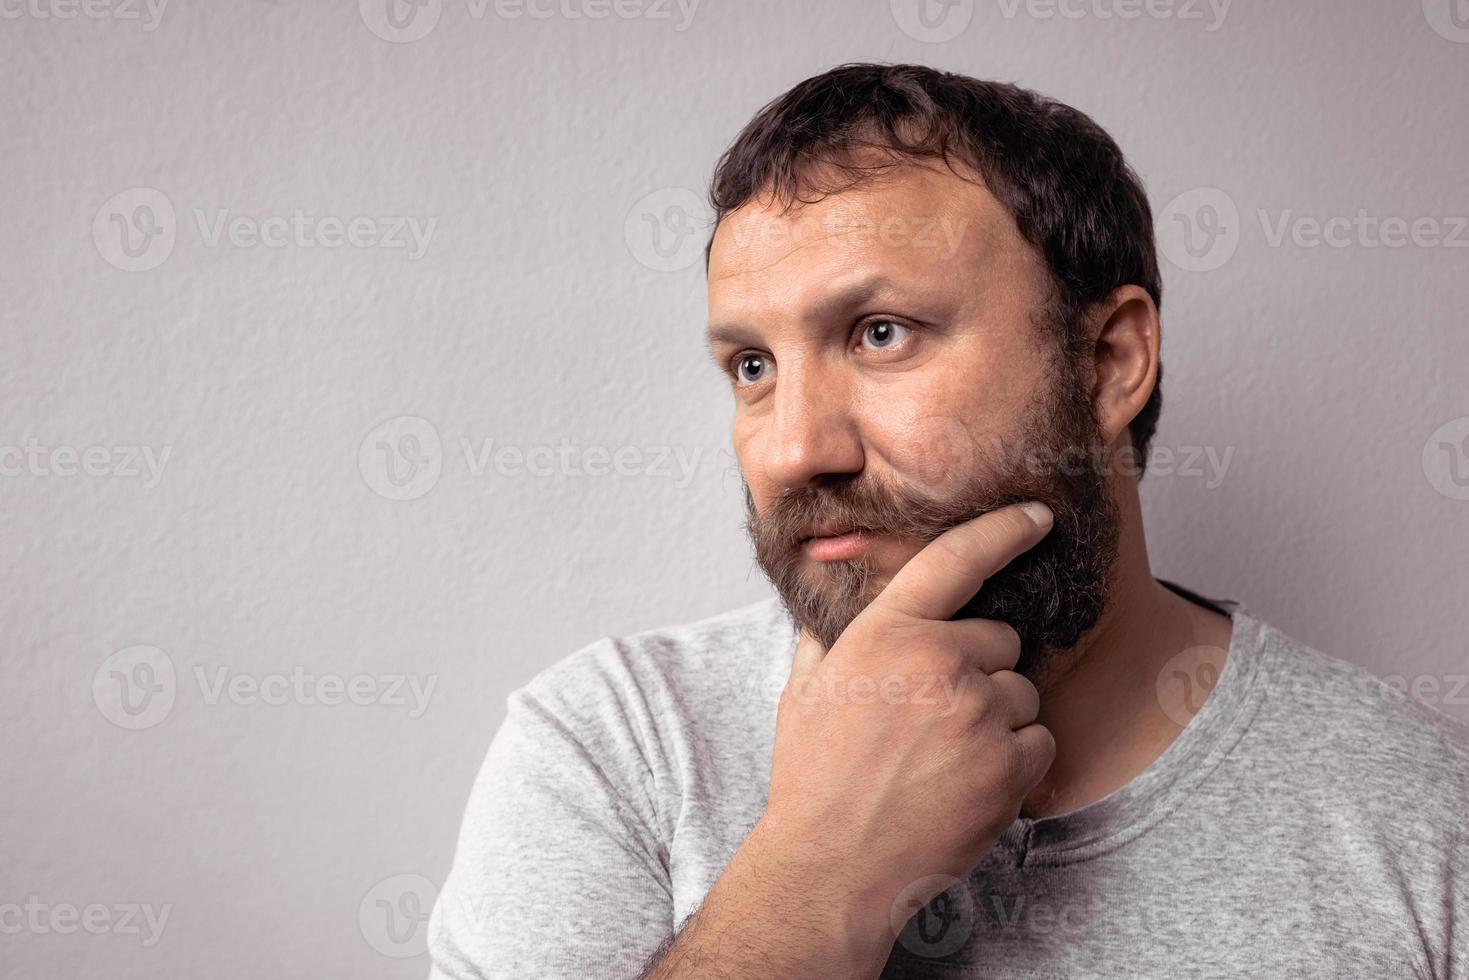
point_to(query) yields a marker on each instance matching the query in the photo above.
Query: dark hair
(1073, 195)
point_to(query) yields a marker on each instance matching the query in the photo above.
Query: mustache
(864, 504)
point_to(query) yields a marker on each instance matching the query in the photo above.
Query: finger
(1035, 749)
(1017, 702)
(987, 645)
(936, 582)
(809, 653)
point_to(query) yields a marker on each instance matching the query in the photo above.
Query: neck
(1102, 705)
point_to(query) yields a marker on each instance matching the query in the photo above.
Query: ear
(1126, 353)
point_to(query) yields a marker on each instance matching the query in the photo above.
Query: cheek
(748, 445)
(933, 452)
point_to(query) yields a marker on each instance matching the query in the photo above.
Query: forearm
(769, 915)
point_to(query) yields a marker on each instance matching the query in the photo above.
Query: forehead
(919, 222)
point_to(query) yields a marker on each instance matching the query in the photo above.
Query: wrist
(821, 897)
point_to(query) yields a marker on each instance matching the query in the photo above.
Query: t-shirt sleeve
(559, 871)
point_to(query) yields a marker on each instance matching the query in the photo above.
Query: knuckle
(981, 696)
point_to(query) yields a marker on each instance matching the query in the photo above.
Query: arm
(769, 916)
(558, 874)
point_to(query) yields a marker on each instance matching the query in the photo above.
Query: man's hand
(905, 750)
(901, 753)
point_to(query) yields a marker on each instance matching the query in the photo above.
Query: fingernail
(1038, 512)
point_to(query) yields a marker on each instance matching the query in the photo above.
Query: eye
(751, 368)
(882, 334)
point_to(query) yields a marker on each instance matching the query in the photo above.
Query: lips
(824, 531)
(839, 545)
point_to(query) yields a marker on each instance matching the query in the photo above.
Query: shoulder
(697, 666)
(1362, 734)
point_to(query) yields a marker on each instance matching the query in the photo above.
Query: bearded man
(973, 736)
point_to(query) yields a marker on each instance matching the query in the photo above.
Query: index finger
(940, 579)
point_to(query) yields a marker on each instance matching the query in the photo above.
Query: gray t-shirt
(1310, 821)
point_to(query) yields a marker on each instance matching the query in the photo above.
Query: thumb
(809, 653)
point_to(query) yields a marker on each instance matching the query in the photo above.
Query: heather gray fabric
(1309, 822)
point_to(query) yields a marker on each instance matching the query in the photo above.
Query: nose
(813, 435)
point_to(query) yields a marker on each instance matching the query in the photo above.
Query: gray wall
(174, 638)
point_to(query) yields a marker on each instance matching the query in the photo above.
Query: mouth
(836, 544)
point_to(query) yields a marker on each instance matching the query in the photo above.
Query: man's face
(891, 375)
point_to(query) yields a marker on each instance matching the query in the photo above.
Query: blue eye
(881, 334)
(751, 368)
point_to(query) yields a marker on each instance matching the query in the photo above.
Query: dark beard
(1051, 594)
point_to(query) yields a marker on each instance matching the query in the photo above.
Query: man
(975, 737)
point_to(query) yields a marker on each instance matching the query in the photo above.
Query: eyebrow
(846, 298)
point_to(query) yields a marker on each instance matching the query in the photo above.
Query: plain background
(292, 839)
